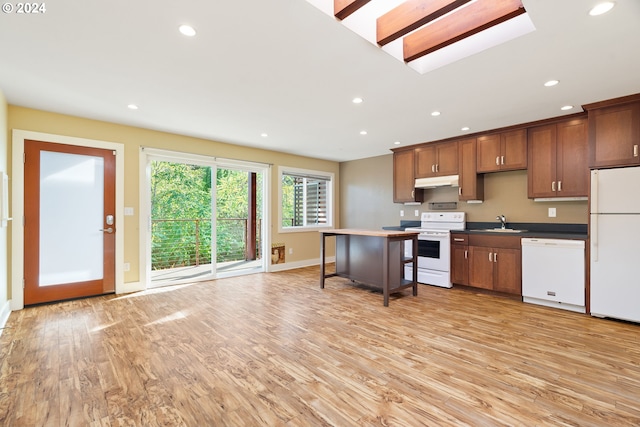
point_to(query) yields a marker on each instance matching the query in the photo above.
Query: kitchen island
(373, 257)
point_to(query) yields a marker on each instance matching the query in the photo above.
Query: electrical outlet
(290, 251)
(417, 213)
(128, 211)
(402, 213)
(552, 212)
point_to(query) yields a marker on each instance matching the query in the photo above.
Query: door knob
(108, 230)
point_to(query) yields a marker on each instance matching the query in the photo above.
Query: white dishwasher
(553, 273)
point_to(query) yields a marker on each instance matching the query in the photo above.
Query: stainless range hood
(437, 181)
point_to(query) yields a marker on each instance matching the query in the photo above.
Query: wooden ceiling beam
(461, 24)
(410, 15)
(344, 8)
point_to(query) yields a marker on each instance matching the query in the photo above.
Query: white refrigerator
(615, 243)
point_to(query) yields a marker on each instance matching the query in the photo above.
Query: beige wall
(4, 248)
(305, 245)
(367, 198)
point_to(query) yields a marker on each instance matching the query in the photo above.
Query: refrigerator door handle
(594, 238)
(594, 218)
(594, 191)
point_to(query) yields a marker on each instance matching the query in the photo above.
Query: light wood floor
(276, 350)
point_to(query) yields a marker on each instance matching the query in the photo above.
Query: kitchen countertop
(403, 225)
(541, 230)
(374, 233)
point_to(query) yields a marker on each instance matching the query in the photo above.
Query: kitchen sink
(500, 230)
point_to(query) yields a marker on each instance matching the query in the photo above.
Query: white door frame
(147, 154)
(17, 205)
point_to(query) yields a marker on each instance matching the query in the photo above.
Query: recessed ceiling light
(551, 83)
(465, 128)
(435, 113)
(566, 107)
(357, 100)
(396, 143)
(363, 132)
(187, 30)
(132, 106)
(264, 135)
(602, 8)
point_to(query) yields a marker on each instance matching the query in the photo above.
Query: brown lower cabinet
(460, 259)
(488, 262)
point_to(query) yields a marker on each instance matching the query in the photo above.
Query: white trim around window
(314, 200)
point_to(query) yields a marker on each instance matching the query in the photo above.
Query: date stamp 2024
(24, 8)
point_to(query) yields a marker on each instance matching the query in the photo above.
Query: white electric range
(434, 247)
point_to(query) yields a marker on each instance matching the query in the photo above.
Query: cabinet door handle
(433, 168)
(436, 168)
(553, 186)
(635, 150)
(413, 193)
(497, 160)
(466, 254)
(495, 257)
(490, 255)
(459, 191)
(458, 239)
(559, 185)
(502, 160)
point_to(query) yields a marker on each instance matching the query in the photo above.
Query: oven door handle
(436, 236)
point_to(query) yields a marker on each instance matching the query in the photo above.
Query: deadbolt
(109, 219)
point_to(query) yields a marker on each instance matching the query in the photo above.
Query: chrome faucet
(503, 220)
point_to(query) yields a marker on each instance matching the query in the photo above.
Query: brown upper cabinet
(558, 160)
(437, 159)
(404, 190)
(614, 132)
(471, 185)
(502, 151)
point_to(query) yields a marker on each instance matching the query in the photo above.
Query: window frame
(330, 178)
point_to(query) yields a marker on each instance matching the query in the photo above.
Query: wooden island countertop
(374, 257)
(375, 233)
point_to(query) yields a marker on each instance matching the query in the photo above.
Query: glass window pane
(305, 200)
(71, 217)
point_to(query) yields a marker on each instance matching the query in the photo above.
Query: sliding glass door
(205, 219)
(238, 221)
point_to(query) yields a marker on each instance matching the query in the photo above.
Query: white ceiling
(285, 68)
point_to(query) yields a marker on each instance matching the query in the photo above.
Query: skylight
(429, 34)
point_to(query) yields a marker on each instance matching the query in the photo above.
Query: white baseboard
(298, 264)
(127, 288)
(5, 311)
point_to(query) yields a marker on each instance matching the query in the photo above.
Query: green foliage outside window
(181, 211)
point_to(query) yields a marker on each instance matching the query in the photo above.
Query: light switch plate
(402, 213)
(552, 212)
(128, 211)
(417, 213)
